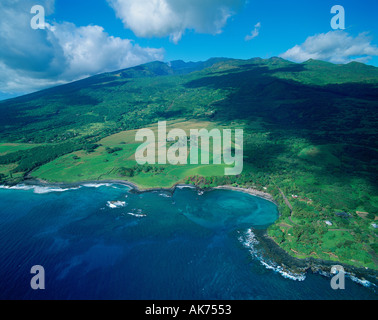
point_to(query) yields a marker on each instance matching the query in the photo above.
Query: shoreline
(250, 191)
(271, 249)
(138, 189)
(273, 252)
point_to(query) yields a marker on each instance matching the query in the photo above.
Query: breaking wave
(116, 204)
(365, 283)
(137, 213)
(96, 185)
(49, 189)
(184, 187)
(249, 241)
(38, 189)
(165, 195)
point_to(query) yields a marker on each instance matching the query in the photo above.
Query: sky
(81, 38)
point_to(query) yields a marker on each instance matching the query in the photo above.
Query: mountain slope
(111, 97)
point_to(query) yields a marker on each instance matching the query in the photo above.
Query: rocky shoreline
(271, 250)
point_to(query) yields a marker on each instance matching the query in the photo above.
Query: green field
(6, 148)
(102, 165)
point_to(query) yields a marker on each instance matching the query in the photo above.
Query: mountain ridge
(180, 67)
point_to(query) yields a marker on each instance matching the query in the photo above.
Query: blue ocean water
(104, 242)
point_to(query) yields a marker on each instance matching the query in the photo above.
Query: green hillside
(310, 139)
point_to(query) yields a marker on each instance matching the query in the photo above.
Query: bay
(102, 241)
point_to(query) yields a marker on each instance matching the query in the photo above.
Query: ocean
(102, 241)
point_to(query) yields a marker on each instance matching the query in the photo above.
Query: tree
(91, 147)
(371, 216)
(126, 172)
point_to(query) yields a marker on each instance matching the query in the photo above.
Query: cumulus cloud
(34, 59)
(89, 50)
(255, 32)
(334, 46)
(160, 18)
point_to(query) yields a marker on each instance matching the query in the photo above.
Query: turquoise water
(144, 246)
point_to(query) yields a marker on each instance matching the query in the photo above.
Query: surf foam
(250, 242)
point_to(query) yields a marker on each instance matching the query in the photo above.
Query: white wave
(286, 274)
(137, 215)
(96, 185)
(38, 189)
(250, 241)
(363, 282)
(48, 189)
(105, 184)
(165, 195)
(116, 204)
(43, 190)
(183, 187)
(18, 187)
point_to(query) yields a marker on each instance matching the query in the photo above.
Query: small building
(374, 225)
(329, 223)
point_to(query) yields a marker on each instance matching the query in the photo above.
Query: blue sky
(87, 37)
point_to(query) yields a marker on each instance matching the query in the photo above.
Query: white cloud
(16, 82)
(31, 60)
(334, 46)
(255, 32)
(161, 18)
(89, 50)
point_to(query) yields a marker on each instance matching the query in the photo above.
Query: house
(374, 225)
(328, 223)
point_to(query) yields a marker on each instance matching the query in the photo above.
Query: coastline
(137, 189)
(272, 251)
(250, 191)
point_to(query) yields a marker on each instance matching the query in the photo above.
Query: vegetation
(310, 140)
